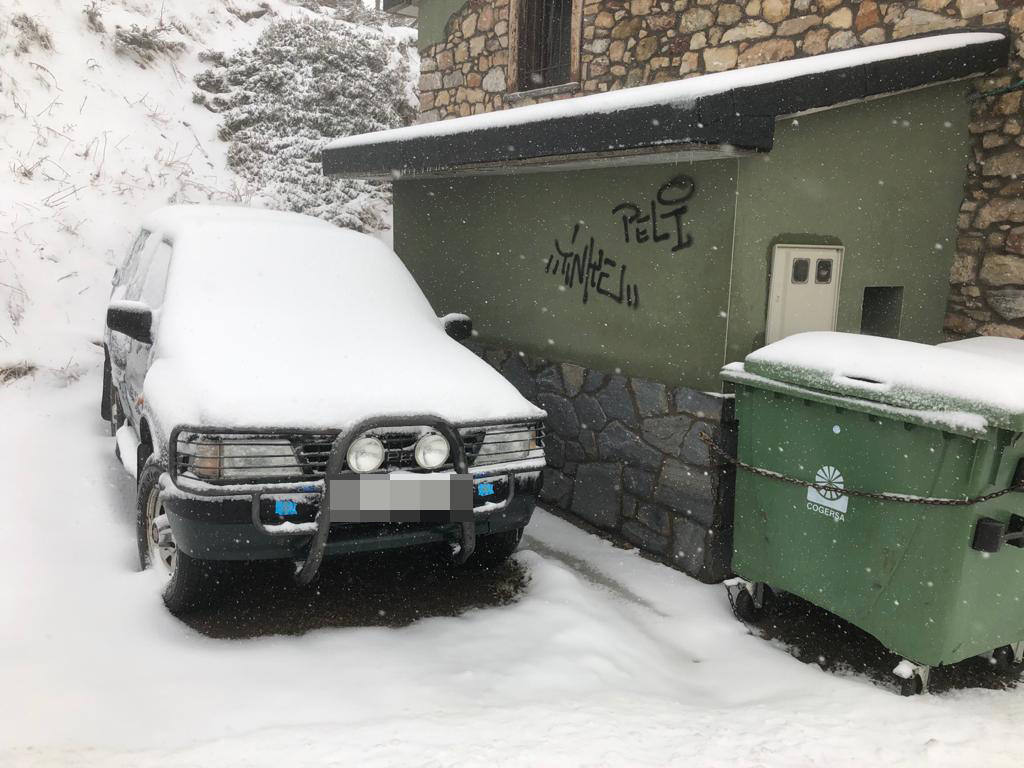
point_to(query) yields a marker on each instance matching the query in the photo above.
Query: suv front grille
(228, 458)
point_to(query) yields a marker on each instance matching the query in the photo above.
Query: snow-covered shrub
(94, 17)
(305, 82)
(144, 44)
(30, 33)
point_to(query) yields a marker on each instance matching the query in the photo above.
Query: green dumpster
(861, 465)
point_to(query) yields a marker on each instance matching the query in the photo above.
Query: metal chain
(899, 498)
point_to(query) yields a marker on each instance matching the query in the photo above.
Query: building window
(547, 43)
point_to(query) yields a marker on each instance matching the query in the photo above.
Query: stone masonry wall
(635, 42)
(624, 456)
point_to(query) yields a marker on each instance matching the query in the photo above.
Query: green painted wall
(882, 178)
(482, 245)
(433, 16)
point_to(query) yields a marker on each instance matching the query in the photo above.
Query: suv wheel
(188, 583)
(495, 548)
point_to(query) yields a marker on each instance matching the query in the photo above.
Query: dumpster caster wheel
(913, 678)
(1003, 658)
(749, 602)
(911, 686)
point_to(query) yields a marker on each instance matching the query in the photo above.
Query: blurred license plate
(400, 498)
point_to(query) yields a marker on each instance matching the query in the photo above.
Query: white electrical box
(804, 294)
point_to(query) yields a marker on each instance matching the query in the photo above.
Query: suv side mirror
(458, 326)
(132, 318)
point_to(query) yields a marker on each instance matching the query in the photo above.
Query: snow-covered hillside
(97, 127)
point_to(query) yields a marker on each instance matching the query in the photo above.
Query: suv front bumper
(246, 526)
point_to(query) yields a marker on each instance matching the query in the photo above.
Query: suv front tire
(189, 583)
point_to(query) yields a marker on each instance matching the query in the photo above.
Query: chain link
(899, 498)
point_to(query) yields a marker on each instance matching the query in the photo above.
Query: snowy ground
(605, 659)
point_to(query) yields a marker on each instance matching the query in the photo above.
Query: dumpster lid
(983, 377)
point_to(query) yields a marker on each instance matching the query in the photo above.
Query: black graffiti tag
(592, 270)
(639, 226)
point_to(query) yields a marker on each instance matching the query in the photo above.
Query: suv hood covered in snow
(303, 325)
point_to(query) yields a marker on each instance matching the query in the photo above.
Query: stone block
(868, 16)
(617, 443)
(686, 489)
(720, 59)
(557, 488)
(617, 402)
(655, 517)
(798, 25)
(494, 80)
(842, 41)
(1000, 209)
(1002, 329)
(696, 19)
(841, 18)
(775, 11)
(1007, 302)
(917, 22)
(766, 52)
(873, 36)
(688, 545)
(695, 451)
(1015, 240)
(572, 376)
(1002, 269)
(637, 481)
(597, 494)
(964, 269)
(666, 433)
(554, 450)
(971, 8)
(430, 81)
(729, 14)
(550, 378)
(1007, 163)
(651, 397)
(561, 414)
(701, 404)
(590, 413)
(748, 30)
(816, 41)
(645, 538)
(627, 28)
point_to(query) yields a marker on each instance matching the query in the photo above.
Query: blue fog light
(285, 508)
(485, 489)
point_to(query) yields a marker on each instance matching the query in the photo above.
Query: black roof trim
(742, 118)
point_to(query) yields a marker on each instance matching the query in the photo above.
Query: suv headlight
(509, 443)
(365, 454)
(431, 451)
(237, 457)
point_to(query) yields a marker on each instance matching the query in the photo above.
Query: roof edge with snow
(719, 114)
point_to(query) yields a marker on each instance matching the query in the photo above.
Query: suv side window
(156, 275)
(127, 269)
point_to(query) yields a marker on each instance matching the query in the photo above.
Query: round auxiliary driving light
(431, 451)
(365, 454)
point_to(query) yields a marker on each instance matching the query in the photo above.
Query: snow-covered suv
(283, 389)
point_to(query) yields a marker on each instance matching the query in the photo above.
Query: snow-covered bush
(305, 82)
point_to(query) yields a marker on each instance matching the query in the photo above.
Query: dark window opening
(882, 311)
(545, 42)
(801, 268)
(823, 271)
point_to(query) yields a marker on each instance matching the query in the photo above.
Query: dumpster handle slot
(990, 534)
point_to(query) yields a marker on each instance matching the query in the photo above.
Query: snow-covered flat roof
(730, 110)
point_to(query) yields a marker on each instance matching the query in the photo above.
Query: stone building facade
(625, 43)
(625, 453)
